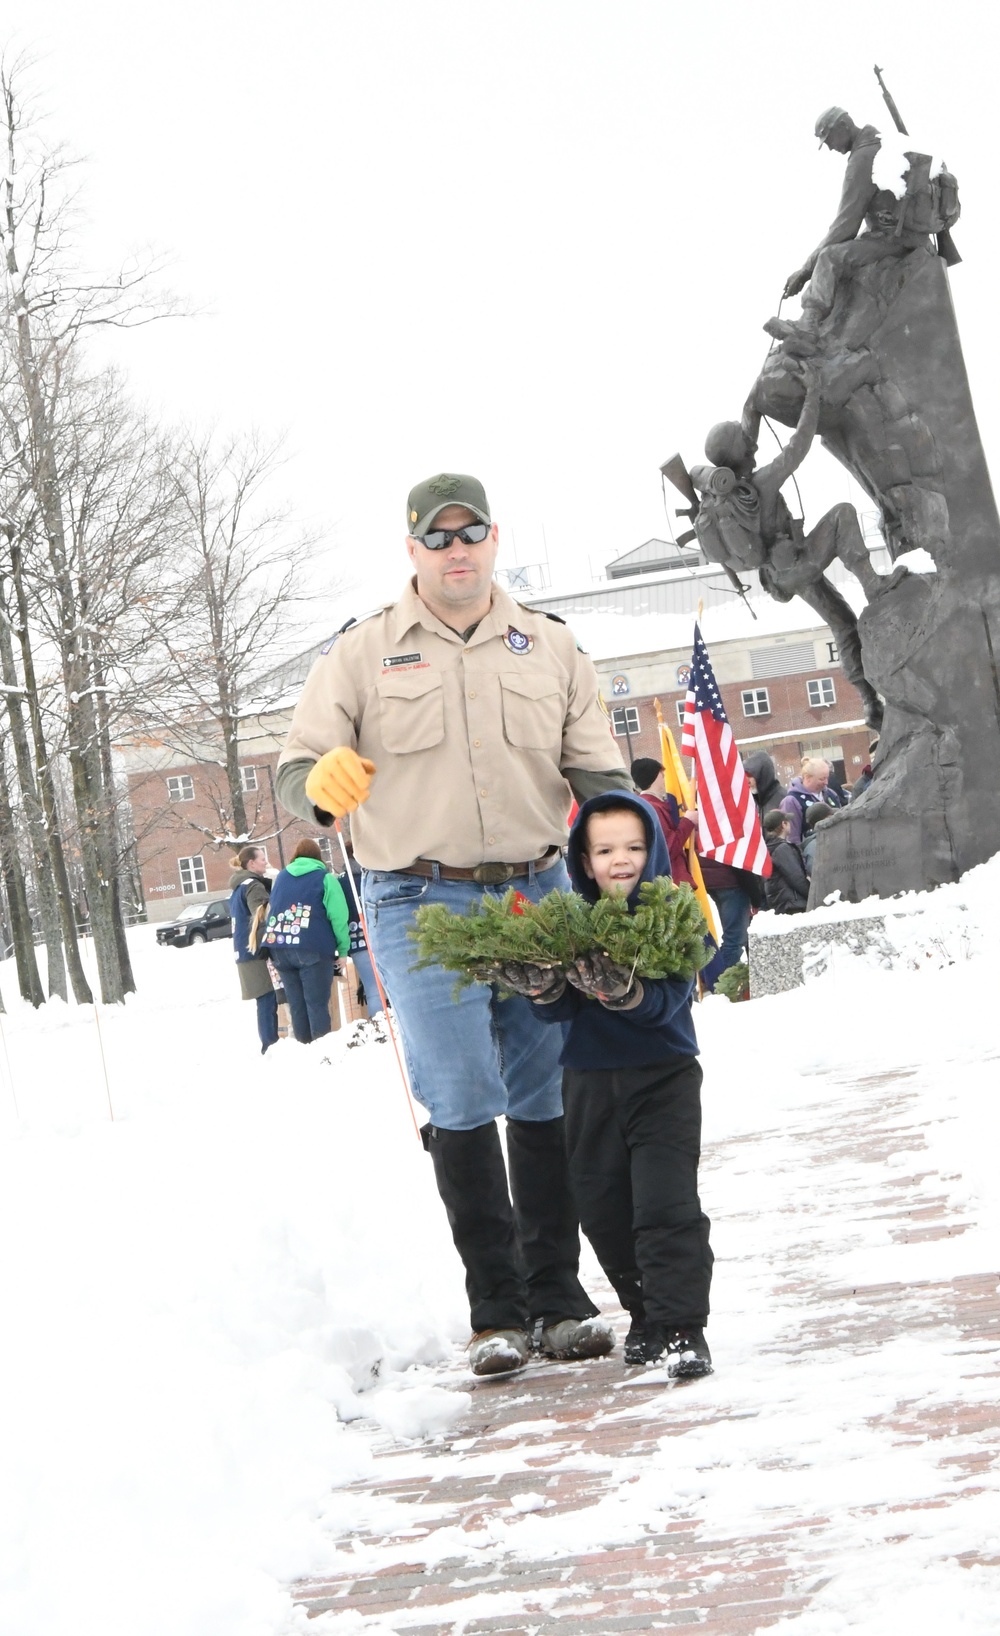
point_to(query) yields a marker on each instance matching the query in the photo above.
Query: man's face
(616, 850)
(839, 139)
(817, 778)
(459, 576)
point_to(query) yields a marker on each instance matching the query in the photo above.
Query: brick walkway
(437, 1546)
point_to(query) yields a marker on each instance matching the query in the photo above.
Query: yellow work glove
(340, 781)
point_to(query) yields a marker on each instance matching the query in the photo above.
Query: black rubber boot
(548, 1228)
(472, 1182)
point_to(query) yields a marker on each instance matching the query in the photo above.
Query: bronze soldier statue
(892, 226)
(744, 522)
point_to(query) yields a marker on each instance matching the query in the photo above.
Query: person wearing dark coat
(767, 792)
(787, 887)
(647, 776)
(632, 1098)
(249, 890)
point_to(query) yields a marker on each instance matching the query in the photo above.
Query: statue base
(931, 647)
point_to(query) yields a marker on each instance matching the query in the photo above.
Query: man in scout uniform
(457, 726)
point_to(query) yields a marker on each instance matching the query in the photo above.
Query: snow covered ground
(217, 1304)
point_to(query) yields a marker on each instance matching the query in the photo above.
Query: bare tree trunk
(17, 902)
(48, 907)
(113, 835)
(46, 787)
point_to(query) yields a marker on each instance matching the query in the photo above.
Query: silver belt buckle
(492, 874)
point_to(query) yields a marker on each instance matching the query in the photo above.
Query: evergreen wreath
(665, 937)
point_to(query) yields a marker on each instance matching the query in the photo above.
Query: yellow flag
(677, 784)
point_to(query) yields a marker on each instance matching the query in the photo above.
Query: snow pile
(199, 1298)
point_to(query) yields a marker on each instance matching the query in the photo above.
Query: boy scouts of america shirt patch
(517, 642)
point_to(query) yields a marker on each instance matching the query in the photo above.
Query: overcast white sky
(535, 240)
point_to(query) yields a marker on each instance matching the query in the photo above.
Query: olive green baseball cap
(434, 494)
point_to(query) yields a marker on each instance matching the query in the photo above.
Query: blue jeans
(472, 1058)
(363, 966)
(734, 911)
(307, 980)
(267, 1019)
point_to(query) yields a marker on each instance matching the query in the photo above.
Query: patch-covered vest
(296, 917)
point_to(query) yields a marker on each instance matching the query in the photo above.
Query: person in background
(787, 887)
(817, 814)
(249, 890)
(864, 778)
(811, 785)
(351, 889)
(763, 781)
(647, 776)
(307, 927)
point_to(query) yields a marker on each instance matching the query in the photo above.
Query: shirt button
(476, 743)
(491, 840)
(483, 792)
(472, 695)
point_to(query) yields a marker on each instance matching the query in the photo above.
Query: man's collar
(410, 611)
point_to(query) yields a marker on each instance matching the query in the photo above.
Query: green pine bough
(665, 937)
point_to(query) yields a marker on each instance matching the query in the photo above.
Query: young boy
(787, 887)
(631, 1094)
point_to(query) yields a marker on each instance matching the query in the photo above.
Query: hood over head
(658, 858)
(760, 767)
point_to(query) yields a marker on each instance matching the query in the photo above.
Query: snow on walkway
(233, 1397)
(839, 1472)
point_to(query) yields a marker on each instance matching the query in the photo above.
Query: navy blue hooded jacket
(660, 1027)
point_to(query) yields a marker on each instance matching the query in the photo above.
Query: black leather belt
(487, 874)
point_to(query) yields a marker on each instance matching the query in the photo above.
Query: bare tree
(49, 306)
(240, 576)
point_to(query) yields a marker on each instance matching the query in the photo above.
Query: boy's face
(616, 850)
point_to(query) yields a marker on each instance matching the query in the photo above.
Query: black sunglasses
(471, 534)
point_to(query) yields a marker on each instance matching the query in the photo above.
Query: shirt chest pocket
(411, 711)
(534, 710)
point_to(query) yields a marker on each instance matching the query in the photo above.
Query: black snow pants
(634, 1140)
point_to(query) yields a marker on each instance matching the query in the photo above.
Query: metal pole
(390, 1017)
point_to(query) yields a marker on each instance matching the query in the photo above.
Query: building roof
(651, 557)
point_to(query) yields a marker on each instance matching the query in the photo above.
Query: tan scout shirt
(470, 740)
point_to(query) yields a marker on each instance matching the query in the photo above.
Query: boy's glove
(597, 975)
(534, 982)
(340, 781)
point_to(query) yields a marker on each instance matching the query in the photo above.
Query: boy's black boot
(545, 1217)
(634, 1350)
(472, 1181)
(684, 1350)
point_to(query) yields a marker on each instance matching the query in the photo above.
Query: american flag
(729, 823)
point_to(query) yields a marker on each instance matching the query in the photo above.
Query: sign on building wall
(619, 686)
(683, 675)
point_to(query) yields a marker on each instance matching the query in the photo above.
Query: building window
(192, 872)
(625, 720)
(180, 788)
(248, 778)
(681, 707)
(756, 702)
(832, 653)
(821, 692)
